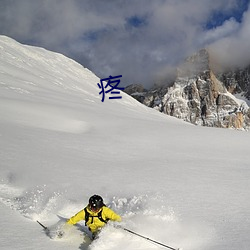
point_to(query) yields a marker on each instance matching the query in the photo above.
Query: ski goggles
(94, 208)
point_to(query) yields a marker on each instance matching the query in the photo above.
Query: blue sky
(143, 40)
(218, 17)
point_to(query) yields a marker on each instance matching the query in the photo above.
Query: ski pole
(45, 228)
(146, 238)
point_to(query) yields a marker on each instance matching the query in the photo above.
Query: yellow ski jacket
(94, 223)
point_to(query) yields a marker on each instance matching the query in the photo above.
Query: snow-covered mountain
(182, 185)
(202, 96)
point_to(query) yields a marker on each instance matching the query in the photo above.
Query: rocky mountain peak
(200, 96)
(196, 64)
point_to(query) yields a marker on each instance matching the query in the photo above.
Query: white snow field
(182, 185)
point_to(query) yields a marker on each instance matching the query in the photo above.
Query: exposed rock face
(199, 97)
(237, 81)
(137, 91)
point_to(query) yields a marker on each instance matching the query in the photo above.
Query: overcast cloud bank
(142, 40)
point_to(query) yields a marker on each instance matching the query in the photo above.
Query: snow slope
(176, 183)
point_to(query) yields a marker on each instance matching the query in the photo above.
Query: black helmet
(95, 202)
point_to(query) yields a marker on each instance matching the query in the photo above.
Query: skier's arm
(77, 217)
(110, 214)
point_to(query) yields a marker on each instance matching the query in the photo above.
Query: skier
(95, 214)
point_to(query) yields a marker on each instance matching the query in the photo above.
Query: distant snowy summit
(202, 95)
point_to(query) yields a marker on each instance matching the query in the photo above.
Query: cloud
(142, 40)
(228, 28)
(232, 50)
